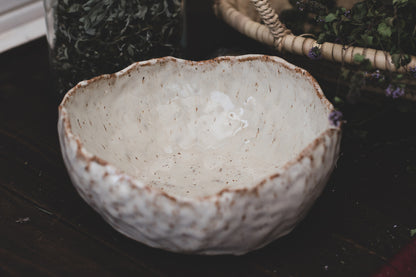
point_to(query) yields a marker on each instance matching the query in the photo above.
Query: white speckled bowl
(214, 157)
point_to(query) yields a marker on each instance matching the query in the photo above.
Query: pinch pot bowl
(214, 157)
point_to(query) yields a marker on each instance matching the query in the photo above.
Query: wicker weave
(275, 33)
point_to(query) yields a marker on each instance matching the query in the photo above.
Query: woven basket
(239, 15)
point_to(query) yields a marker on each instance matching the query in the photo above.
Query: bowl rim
(88, 158)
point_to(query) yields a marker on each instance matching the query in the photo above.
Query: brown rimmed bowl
(213, 157)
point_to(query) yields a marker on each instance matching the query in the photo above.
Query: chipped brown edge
(88, 157)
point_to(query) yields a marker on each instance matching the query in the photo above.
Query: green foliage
(358, 58)
(380, 24)
(330, 18)
(388, 25)
(384, 30)
(377, 24)
(93, 37)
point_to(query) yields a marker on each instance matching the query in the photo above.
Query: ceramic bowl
(213, 157)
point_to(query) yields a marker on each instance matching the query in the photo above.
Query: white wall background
(20, 21)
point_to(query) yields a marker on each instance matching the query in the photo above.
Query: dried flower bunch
(388, 25)
(93, 37)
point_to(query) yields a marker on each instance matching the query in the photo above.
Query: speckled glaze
(213, 157)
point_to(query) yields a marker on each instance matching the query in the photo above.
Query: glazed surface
(194, 129)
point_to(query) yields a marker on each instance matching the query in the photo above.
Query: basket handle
(271, 20)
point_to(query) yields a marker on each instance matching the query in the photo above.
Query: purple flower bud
(314, 53)
(347, 14)
(393, 92)
(376, 75)
(300, 5)
(389, 90)
(335, 117)
(413, 71)
(398, 92)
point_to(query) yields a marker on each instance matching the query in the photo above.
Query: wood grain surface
(360, 222)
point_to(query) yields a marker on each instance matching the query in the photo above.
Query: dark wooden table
(361, 221)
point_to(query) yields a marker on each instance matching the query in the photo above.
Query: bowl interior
(196, 128)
